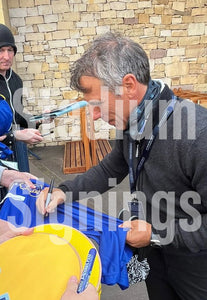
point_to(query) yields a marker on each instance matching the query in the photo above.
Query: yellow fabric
(81, 243)
(38, 266)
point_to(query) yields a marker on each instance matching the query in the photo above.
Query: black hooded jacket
(11, 88)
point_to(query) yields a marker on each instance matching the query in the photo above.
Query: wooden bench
(79, 156)
(196, 97)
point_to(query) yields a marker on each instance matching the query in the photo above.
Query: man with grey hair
(163, 158)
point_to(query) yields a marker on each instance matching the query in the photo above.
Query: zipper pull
(137, 150)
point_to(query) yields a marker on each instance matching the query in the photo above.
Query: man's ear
(129, 83)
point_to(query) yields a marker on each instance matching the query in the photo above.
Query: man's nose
(6, 55)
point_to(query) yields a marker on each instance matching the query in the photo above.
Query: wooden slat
(196, 97)
(102, 149)
(79, 156)
(74, 158)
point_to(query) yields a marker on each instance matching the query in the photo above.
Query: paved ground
(51, 164)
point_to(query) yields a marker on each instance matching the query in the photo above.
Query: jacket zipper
(10, 96)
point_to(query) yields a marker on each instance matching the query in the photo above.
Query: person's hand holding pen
(89, 293)
(83, 290)
(49, 199)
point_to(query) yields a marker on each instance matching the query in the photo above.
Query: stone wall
(52, 34)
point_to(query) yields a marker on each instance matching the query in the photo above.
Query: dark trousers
(177, 276)
(21, 156)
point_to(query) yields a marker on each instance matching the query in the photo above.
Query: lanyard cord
(132, 178)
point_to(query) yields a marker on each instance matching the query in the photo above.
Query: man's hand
(8, 231)
(90, 292)
(57, 197)
(139, 234)
(28, 135)
(9, 176)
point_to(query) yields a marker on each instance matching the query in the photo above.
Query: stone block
(28, 58)
(176, 20)
(179, 32)
(27, 48)
(60, 34)
(68, 95)
(143, 18)
(51, 19)
(37, 83)
(42, 2)
(63, 66)
(26, 3)
(196, 29)
(192, 40)
(125, 14)
(159, 10)
(17, 22)
(102, 29)
(34, 20)
(166, 20)
(195, 3)
(35, 37)
(57, 44)
(38, 48)
(158, 53)
(13, 4)
(130, 21)
(59, 7)
(89, 31)
(34, 67)
(165, 33)
(82, 24)
(176, 52)
(177, 69)
(111, 14)
(179, 6)
(39, 76)
(59, 82)
(18, 12)
(189, 79)
(65, 25)
(132, 5)
(156, 20)
(57, 75)
(117, 5)
(85, 17)
(47, 27)
(195, 51)
(199, 11)
(79, 7)
(144, 4)
(45, 10)
(71, 43)
(45, 67)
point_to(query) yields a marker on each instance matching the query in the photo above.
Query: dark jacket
(11, 89)
(172, 183)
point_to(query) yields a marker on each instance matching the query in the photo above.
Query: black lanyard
(134, 177)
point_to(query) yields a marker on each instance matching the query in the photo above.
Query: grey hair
(109, 58)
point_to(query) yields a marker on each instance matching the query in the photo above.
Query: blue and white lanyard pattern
(134, 177)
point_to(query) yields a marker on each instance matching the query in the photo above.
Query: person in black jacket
(11, 88)
(162, 147)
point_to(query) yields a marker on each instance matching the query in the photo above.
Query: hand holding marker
(87, 270)
(49, 194)
(48, 133)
